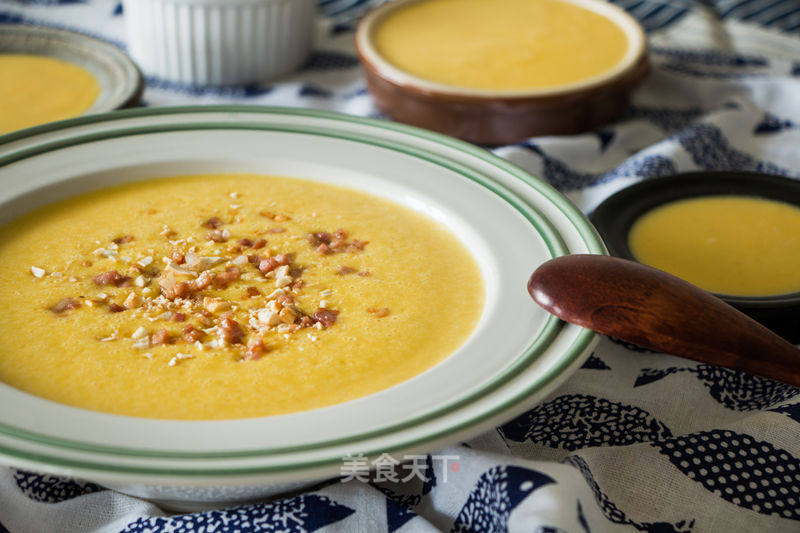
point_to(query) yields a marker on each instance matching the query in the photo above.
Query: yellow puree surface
(37, 89)
(736, 245)
(500, 44)
(419, 271)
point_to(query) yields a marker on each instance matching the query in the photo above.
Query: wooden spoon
(656, 310)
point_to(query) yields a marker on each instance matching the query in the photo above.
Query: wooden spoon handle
(656, 310)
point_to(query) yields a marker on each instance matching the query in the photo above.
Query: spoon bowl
(656, 310)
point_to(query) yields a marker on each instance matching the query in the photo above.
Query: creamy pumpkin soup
(36, 89)
(500, 44)
(736, 245)
(227, 296)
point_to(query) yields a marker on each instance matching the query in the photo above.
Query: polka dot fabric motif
(742, 470)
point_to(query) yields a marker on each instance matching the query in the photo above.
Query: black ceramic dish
(615, 216)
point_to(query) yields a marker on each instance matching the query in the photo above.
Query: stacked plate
(511, 221)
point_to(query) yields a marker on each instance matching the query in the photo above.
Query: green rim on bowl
(548, 233)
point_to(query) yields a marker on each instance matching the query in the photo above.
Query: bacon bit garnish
(217, 236)
(380, 313)
(256, 349)
(344, 270)
(326, 317)
(192, 334)
(123, 240)
(276, 230)
(177, 258)
(259, 244)
(212, 223)
(223, 279)
(179, 317)
(160, 337)
(247, 243)
(112, 277)
(231, 331)
(115, 308)
(67, 304)
(251, 292)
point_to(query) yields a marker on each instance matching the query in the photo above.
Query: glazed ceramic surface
(509, 220)
(504, 117)
(617, 214)
(219, 42)
(119, 78)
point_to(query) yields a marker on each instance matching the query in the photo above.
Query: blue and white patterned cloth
(634, 440)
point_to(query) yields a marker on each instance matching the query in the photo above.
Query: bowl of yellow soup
(735, 234)
(48, 75)
(498, 72)
(222, 303)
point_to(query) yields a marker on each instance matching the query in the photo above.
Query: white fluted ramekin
(219, 42)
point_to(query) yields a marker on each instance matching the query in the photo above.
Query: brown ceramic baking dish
(504, 117)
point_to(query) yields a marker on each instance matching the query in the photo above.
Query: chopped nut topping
(231, 331)
(218, 235)
(179, 317)
(259, 243)
(115, 308)
(123, 240)
(223, 279)
(251, 292)
(212, 223)
(133, 301)
(112, 277)
(344, 270)
(214, 305)
(326, 243)
(67, 304)
(246, 243)
(161, 337)
(179, 357)
(326, 317)
(256, 349)
(192, 334)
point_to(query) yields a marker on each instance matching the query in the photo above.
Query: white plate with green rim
(509, 220)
